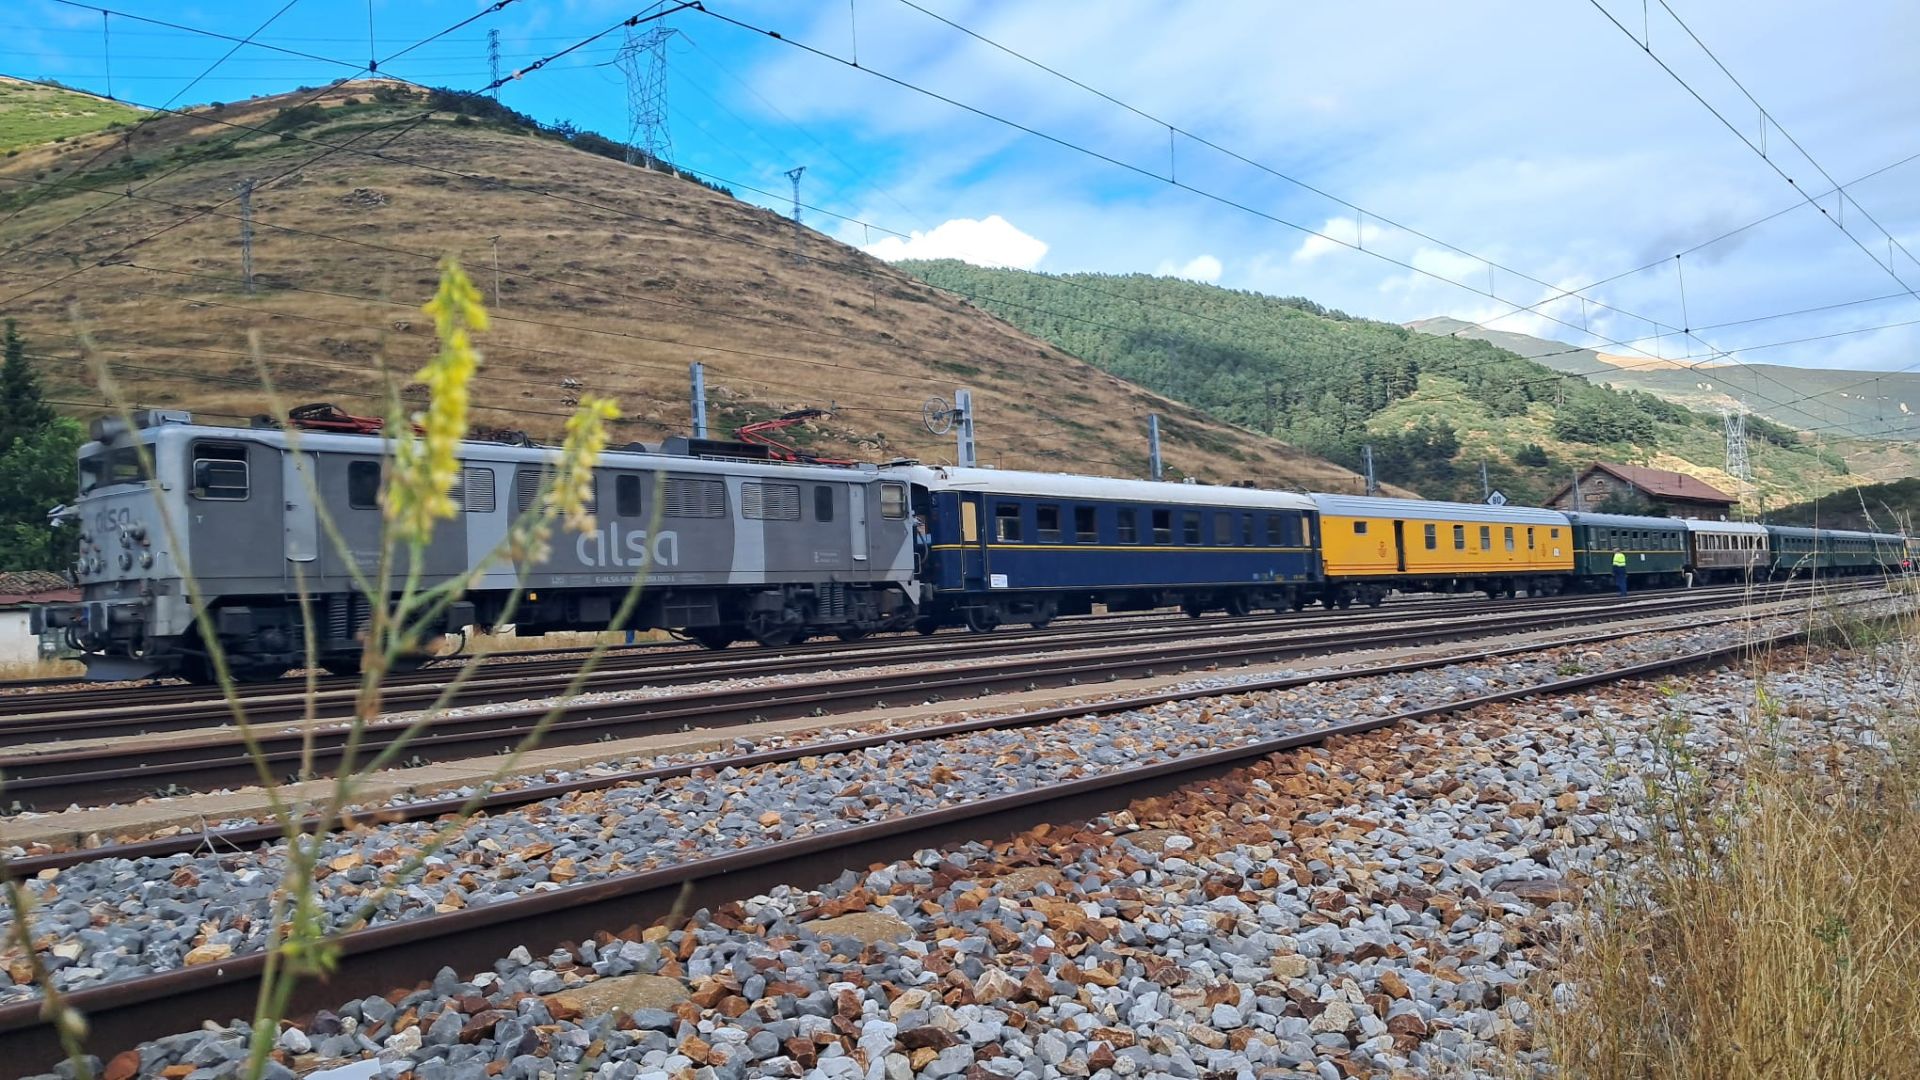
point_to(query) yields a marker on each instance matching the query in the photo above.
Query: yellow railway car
(1370, 546)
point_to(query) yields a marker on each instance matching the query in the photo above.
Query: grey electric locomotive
(726, 547)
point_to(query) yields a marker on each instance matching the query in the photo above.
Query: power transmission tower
(793, 174)
(1738, 467)
(643, 60)
(246, 232)
(493, 60)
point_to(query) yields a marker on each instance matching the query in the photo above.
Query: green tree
(37, 450)
(36, 475)
(22, 409)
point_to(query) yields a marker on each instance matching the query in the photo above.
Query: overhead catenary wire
(1496, 297)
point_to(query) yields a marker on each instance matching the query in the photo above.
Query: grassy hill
(1854, 404)
(1890, 507)
(609, 278)
(31, 114)
(1433, 407)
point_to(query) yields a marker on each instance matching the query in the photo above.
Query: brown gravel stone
(623, 994)
(865, 927)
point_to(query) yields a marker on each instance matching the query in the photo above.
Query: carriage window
(1190, 527)
(1086, 525)
(1360, 528)
(1509, 538)
(1553, 534)
(1276, 531)
(363, 485)
(1246, 530)
(1459, 538)
(822, 502)
(1163, 526)
(626, 495)
(1433, 540)
(1486, 538)
(1046, 520)
(219, 471)
(1128, 533)
(1006, 522)
(1223, 529)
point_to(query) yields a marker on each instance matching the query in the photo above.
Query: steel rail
(624, 659)
(222, 758)
(86, 715)
(403, 953)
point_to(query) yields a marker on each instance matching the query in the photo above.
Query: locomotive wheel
(712, 637)
(850, 634)
(1238, 606)
(926, 626)
(1374, 599)
(982, 620)
(1346, 601)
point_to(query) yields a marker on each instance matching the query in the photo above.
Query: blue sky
(1535, 136)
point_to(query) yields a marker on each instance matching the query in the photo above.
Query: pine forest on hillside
(1433, 408)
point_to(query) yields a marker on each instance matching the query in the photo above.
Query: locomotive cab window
(893, 501)
(1163, 526)
(1127, 529)
(363, 485)
(1006, 522)
(1046, 524)
(1086, 525)
(219, 471)
(822, 502)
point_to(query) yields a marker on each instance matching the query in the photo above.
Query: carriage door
(302, 528)
(973, 543)
(1400, 544)
(857, 495)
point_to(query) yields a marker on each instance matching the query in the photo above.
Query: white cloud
(992, 241)
(1338, 234)
(1199, 268)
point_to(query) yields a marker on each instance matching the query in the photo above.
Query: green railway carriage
(1656, 548)
(1801, 551)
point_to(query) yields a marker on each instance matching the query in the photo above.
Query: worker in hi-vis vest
(1620, 571)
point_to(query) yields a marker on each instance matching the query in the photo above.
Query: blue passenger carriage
(1008, 546)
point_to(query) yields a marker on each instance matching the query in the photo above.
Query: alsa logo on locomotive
(613, 547)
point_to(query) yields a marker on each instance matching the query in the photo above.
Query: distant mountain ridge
(1432, 409)
(1856, 404)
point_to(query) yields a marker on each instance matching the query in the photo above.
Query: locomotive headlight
(146, 560)
(126, 539)
(140, 533)
(126, 560)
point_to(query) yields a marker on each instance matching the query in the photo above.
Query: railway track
(119, 769)
(402, 953)
(645, 655)
(25, 718)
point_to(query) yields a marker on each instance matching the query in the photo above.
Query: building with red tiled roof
(19, 589)
(1672, 493)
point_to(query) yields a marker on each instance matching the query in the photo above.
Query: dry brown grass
(619, 299)
(1778, 937)
(41, 669)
